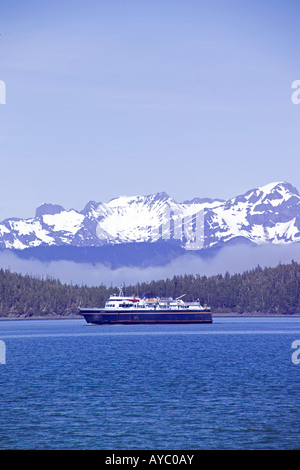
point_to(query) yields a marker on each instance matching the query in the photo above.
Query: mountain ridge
(263, 215)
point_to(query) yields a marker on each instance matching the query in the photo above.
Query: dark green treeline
(262, 290)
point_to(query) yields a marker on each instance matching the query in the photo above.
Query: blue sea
(232, 384)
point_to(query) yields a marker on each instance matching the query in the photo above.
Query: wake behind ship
(120, 309)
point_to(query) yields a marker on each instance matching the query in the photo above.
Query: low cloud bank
(232, 259)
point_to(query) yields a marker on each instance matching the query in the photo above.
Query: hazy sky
(112, 97)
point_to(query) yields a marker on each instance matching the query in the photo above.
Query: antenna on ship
(121, 290)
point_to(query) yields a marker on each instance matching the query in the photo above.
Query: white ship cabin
(117, 302)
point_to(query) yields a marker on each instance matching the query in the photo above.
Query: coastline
(44, 317)
(214, 315)
(261, 315)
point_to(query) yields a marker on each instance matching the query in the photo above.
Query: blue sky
(111, 97)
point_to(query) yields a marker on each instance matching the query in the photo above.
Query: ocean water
(233, 384)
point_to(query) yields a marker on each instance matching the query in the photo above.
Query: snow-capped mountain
(268, 214)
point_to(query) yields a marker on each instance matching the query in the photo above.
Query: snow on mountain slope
(268, 214)
(64, 221)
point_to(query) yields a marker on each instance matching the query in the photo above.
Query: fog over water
(231, 259)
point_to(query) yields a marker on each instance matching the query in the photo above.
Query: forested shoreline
(257, 291)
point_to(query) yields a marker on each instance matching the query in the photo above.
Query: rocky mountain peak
(49, 209)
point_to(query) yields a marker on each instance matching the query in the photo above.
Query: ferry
(120, 309)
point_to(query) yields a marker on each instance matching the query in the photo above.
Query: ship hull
(101, 317)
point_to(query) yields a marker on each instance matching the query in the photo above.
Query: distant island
(260, 291)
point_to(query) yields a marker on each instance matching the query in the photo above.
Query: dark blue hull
(163, 316)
